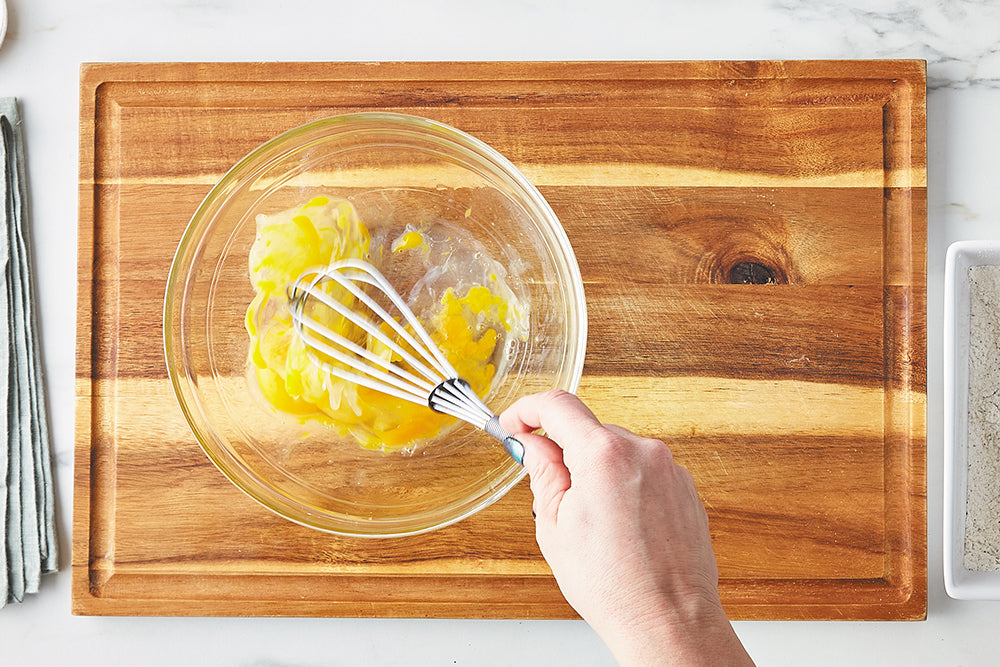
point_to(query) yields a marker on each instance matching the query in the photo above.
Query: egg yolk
(408, 241)
(466, 327)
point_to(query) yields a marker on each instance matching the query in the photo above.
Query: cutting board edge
(89, 82)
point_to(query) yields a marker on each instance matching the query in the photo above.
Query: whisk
(424, 377)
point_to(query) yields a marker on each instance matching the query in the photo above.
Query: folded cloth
(27, 506)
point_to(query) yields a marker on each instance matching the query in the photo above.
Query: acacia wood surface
(798, 406)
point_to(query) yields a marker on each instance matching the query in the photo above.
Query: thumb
(548, 476)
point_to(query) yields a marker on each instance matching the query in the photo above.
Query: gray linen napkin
(26, 494)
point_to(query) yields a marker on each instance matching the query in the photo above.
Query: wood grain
(799, 406)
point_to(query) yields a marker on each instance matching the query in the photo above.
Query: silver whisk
(432, 381)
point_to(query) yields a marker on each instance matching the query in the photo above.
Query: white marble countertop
(39, 63)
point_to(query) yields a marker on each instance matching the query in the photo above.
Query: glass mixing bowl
(395, 169)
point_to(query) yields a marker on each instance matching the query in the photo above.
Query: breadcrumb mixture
(982, 513)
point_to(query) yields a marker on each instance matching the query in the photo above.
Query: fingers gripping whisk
(402, 360)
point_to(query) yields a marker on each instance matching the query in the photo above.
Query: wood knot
(762, 266)
(752, 273)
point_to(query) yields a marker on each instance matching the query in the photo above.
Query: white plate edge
(960, 583)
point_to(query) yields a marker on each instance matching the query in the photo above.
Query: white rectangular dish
(960, 582)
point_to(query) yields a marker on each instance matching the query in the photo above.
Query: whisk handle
(510, 444)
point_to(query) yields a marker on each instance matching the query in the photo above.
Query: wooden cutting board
(752, 239)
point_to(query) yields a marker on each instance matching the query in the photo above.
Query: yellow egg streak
(465, 327)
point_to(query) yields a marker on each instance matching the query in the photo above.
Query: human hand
(626, 536)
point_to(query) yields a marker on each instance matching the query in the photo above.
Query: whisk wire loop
(360, 271)
(440, 388)
(346, 280)
(403, 381)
